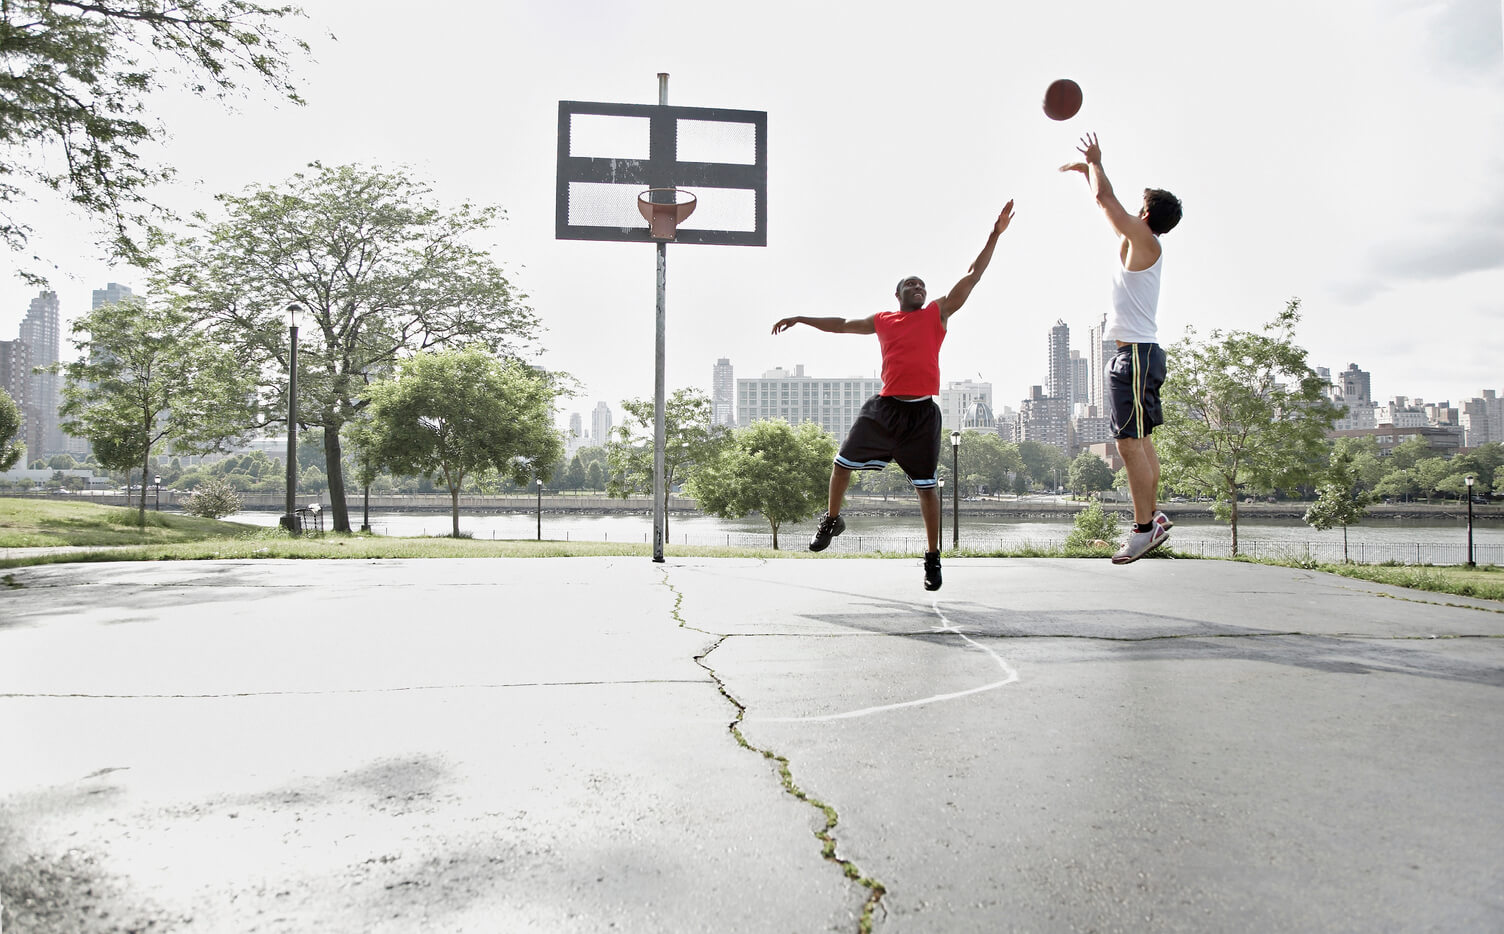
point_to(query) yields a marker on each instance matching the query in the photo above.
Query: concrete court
(532, 745)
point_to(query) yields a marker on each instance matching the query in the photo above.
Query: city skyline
(1357, 173)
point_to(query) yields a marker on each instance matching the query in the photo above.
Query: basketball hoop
(665, 209)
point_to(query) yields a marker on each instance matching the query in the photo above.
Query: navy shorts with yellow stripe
(890, 429)
(1133, 379)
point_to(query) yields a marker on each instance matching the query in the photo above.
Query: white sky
(1349, 152)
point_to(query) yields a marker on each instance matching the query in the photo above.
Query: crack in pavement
(826, 835)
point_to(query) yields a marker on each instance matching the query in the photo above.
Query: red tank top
(911, 341)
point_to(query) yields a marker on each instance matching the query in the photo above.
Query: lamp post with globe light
(290, 517)
(955, 492)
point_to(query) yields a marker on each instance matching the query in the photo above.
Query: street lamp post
(290, 519)
(158, 484)
(540, 509)
(955, 493)
(1469, 481)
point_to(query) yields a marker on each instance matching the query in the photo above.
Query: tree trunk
(775, 533)
(1234, 524)
(145, 466)
(336, 476)
(454, 508)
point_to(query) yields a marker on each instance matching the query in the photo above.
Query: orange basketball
(1062, 99)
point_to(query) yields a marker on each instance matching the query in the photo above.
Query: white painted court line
(1009, 676)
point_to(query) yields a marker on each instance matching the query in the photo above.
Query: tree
(1242, 410)
(689, 439)
(574, 476)
(1340, 499)
(75, 79)
(460, 412)
(145, 375)
(11, 447)
(595, 476)
(986, 459)
(1094, 529)
(1089, 474)
(890, 481)
(213, 499)
(380, 271)
(770, 468)
(1043, 463)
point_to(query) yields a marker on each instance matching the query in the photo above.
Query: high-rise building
(600, 424)
(15, 379)
(1057, 384)
(1080, 387)
(576, 425)
(111, 293)
(1046, 419)
(833, 404)
(1355, 385)
(722, 394)
(1099, 351)
(41, 333)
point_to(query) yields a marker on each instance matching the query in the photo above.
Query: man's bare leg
(929, 507)
(840, 479)
(1142, 464)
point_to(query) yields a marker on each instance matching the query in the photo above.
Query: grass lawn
(32, 523)
(42, 523)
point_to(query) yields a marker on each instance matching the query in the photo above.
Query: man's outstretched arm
(951, 301)
(866, 325)
(1127, 224)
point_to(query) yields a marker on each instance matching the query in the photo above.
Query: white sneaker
(1140, 544)
(1163, 521)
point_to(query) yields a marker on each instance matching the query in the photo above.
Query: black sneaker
(829, 527)
(932, 570)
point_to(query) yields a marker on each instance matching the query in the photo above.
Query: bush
(213, 499)
(1093, 524)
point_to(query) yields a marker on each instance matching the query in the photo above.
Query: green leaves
(1242, 409)
(769, 468)
(73, 88)
(381, 271)
(11, 446)
(455, 413)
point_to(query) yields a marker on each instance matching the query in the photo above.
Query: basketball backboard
(609, 154)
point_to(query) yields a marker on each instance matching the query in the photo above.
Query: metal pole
(289, 521)
(540, 510)
(955, 497)
(1470, 525)
(365, 516)
(659, 486)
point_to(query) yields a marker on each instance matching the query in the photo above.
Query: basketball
(1062, 99)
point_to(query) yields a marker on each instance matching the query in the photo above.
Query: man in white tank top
(1138, 368)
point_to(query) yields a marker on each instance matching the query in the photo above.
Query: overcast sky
(1347, 152)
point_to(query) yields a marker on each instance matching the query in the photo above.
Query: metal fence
(1325, 552)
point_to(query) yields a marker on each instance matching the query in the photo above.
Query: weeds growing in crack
(826, 834)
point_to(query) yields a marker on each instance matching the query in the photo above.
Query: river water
(1372, 542)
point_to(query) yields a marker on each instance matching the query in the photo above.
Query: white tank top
(1135, 301)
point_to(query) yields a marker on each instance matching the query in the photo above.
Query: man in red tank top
(902, 423)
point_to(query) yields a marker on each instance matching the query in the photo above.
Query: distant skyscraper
(1099, 351)
(1355, 384)
(41, 333)
(576, 425)
(600, 424)
(722, 394)
(15, 379)
(1057, 384)
(111, 293)
(1080, 376)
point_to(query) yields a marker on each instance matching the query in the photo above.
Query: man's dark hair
(899, 288)
(1164, 210)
